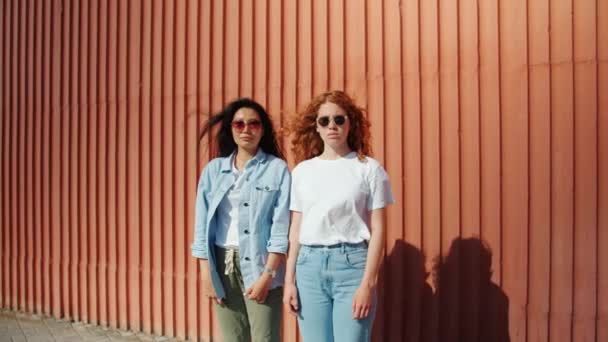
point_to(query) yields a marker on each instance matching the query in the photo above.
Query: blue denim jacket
(263, 215)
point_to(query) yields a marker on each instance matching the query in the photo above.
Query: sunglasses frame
(340, 117)
(239, 125)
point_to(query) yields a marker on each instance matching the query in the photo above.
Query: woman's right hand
(208, 290)
(290, 299)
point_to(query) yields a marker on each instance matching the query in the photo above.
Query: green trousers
(242, 319)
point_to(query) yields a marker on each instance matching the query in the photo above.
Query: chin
(248, 145)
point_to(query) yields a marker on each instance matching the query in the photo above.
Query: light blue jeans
(327, 278)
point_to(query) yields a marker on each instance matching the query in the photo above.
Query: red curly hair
(307, 143)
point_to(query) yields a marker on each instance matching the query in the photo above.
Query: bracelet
(270, 271)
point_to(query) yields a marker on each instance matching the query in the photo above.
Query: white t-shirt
(335, 198)
(227, 234)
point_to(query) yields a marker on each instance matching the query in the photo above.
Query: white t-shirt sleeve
(381, 194)
(295, 202)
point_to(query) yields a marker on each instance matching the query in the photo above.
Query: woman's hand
(206, 281)
(290, 299)
(259, 290)
(362, 302)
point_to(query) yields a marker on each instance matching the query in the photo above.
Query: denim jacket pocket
(266, 194)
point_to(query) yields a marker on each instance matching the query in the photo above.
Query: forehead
(246, 114)
(330, 108)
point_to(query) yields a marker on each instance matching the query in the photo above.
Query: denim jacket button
(246, 231)
(246, 204)
(247, 258)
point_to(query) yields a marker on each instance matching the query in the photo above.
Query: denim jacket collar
(226, 163)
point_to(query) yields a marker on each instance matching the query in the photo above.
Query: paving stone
(97, 332)
(45, 338)
(96, 338)
(10, 322)
(31, 324)
(35, 332)
(58, 324)
(13, 332)
(78, 325)
(63, 332)
(144, 337)
(19, 326)
(68, 338)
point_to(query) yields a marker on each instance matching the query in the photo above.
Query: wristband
(270, 271)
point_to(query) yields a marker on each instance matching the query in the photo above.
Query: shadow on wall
(466, 305)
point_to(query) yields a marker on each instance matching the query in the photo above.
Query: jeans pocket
(302, 256)
(357, 258)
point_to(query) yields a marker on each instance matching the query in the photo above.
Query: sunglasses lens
(254, 125)
(323, 121)
(238, 125)
(339, 120)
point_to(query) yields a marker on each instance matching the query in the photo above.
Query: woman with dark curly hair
(338, 196)
(241, 223)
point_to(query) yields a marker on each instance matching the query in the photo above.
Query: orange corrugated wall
(490, 116)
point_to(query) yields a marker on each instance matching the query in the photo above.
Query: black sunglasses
(339, 120)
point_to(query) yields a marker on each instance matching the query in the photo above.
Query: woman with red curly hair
(338, 196)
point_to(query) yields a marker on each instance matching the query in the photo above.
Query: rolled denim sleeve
(279, 230)
(199, 246)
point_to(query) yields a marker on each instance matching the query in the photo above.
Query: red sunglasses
(240, 125)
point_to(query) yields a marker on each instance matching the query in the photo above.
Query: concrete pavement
(18, 327)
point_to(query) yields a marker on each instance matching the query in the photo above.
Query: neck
(335, 152)
(242, 157)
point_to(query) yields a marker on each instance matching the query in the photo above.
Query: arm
(290, 292)
(199, 247)
(362, 301)
(259, 290)
(277, 242)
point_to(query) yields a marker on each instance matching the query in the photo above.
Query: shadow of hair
(470, 306)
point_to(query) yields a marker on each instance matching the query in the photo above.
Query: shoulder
(371, 167)
(275, 165)
(275, 161)
(302, 166)
(367, 163)
(371, 163)
(214, 165)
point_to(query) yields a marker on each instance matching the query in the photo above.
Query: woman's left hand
(362, 302)
(259, 290)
